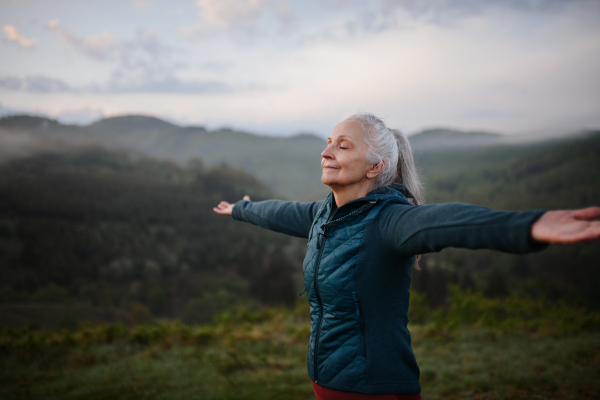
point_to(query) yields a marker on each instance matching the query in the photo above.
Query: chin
(326, 182)
(329, 182)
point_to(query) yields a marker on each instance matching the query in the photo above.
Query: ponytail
(407, 173)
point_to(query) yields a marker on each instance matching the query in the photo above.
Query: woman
(363, 240)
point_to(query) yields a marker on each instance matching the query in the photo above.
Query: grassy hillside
(512, 349)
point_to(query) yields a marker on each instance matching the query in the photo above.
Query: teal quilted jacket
(357, 274)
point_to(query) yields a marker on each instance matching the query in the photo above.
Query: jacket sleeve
(412, 230)
(289, 217)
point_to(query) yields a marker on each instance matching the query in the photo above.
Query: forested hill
(290, 166)
(273, 159)
(102, 227)
(98, 228)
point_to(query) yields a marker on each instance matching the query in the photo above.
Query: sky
(280, 67)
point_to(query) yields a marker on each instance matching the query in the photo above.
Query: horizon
(294, 134)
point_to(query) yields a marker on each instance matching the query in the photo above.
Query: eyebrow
(343, 136)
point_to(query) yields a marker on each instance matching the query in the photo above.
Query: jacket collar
(395, 190)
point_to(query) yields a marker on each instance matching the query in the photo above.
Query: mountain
(440, 139)
(126, 124)
(289, 165)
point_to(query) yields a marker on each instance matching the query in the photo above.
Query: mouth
(329, 167)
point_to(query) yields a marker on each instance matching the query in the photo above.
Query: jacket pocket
(361, 322)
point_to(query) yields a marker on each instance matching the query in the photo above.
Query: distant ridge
(24, 121)
(437, 139)
(132, 123)
(290, 166)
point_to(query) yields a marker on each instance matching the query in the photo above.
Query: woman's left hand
(567, 226)
(225, 208)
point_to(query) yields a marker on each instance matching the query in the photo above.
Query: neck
(344, 194)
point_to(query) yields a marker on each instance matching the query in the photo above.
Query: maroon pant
(329, 394)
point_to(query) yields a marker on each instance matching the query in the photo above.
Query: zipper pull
(302, 292)
(320, 236)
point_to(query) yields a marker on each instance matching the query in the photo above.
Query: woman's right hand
(225, 208)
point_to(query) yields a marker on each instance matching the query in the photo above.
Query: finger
(221, 211)
(586, 213)
(246, 197)
(592, 232)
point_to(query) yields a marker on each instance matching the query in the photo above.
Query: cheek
(354, 169)
(358, 164)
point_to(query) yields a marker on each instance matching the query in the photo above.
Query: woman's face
(344, 161)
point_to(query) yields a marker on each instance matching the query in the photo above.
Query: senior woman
(363, 241)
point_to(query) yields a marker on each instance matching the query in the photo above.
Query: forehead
(351, 128)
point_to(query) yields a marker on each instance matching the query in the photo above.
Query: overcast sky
(284, 66)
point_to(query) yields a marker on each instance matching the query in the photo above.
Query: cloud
(167, 84)
(226, 14)
(17, 38)
(309, 21)
(238, 15)
(34, 84)
(100, 46)
(142, 64)
(448, 12)
(348, 18)
(117, 84)
(144, 51)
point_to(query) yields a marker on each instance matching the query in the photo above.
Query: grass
(486, 364)
(262, 355)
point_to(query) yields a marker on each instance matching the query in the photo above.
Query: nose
(327, 153)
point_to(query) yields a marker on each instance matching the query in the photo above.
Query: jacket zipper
(320, 245)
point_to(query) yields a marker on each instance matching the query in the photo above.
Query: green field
(484, 349)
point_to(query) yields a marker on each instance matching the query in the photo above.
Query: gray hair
(393, 147)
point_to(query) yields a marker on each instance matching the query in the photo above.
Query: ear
(375, 169)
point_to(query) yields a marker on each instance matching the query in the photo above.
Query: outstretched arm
(430, 228)
(567, 226)
(412, 230)
(289, 217)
